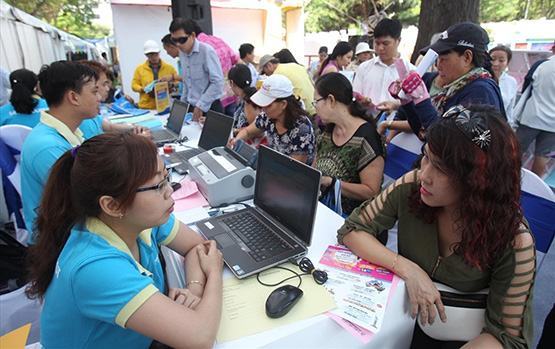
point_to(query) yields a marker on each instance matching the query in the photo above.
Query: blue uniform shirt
(8, 115)
(92, 127)
(97, 286)
(46, 143)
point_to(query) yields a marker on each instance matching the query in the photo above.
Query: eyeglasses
(158, 187)
(314, 102)
(180, 40)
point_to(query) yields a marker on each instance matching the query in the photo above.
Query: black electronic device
(281, 300)
(197, 10)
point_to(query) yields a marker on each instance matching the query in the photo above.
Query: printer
(222, 176)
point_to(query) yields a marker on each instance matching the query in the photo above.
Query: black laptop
(279, 225)
(215, 133)
(171, 132)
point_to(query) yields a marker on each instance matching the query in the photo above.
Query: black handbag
(13, 273)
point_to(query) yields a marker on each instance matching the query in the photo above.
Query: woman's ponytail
(56, 216)
(23, 83)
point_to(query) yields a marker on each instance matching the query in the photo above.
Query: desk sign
(162, 95)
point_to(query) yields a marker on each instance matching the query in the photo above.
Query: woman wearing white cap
(151, 70)
(363, 53)
(286, 123)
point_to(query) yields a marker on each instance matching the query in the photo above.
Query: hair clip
(74, 151)
(473, 127)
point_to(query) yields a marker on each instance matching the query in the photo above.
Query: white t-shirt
(373, 77)
(508, 87)
(539, 111)
(254, 74)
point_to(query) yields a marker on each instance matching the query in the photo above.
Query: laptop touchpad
(224, 240)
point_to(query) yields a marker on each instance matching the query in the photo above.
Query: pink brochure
(343, 259)
(188, 197)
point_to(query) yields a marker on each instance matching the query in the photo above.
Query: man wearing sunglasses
(203, 80)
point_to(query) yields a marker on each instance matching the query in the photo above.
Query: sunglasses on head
(180, 40)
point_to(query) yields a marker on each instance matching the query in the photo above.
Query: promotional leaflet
(361, 289)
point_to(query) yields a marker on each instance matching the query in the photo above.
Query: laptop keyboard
(185, 155)
(161, 135)
(262, 241)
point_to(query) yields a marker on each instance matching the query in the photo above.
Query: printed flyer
(360, 289)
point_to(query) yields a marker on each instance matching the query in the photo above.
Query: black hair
(249, 91)
(341, 49)
(167, 40)
(240, 75)
(245, 49)
(188, 25)
(285, 56)
(323, 49)
(23, 83)
(293, 111)
(337, 85)
(388, 27)
(62, 76)
(504, 49)
(480, 59)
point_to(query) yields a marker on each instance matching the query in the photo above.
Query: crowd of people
(97, 199)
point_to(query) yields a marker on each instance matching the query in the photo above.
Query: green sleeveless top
(510, 279)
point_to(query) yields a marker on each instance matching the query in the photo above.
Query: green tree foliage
(510, 10)
(326, 15)
(73, 16)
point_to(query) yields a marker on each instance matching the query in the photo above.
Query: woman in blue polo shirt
(25, 105)
(105, 211)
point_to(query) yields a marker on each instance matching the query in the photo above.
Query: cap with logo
(465, 34)
(151, 46)
(362, 47)
(274, 87)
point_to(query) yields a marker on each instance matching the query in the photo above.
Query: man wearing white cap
(152, 69)
(286, 123)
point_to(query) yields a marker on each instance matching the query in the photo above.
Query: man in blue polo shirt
(203, 79)
(72, 95)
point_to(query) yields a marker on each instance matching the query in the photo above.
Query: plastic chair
(402, 152)
(14, 135)
(18, 310)
(538, 205)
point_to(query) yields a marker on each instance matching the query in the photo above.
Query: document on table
(244, 301)
(361, 289)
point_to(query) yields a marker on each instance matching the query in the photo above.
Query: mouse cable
(297, 275)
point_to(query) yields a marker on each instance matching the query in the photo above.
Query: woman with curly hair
(459, 224)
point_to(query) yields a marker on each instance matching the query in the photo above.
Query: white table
(320, 331)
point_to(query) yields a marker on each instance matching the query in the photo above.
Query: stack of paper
(244, 314)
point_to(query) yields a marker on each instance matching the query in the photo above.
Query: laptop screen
(216, 130)
(177, 115)
(287, 190)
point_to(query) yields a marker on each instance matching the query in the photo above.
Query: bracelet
(389, 123)
(394, 262)
(195, 282)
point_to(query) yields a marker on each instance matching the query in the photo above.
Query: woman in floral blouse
(287, 126)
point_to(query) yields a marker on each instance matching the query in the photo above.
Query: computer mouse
(281, 300)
